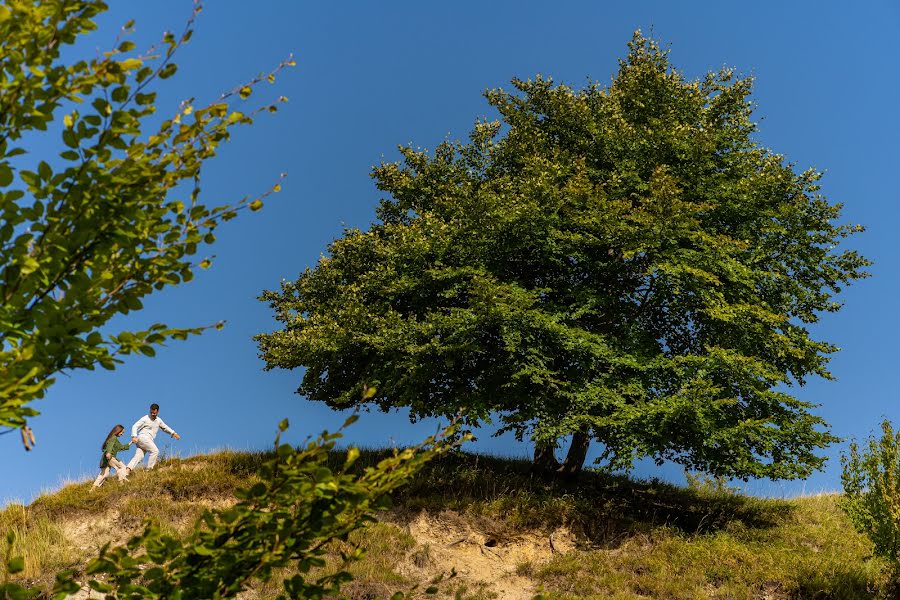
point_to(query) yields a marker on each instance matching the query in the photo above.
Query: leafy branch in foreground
(286, 520)
(86, 235)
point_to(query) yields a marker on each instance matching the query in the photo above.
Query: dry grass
(39, 540)
(635, 539)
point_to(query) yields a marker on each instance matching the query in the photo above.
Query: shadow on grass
(603, 508)
(851, 584)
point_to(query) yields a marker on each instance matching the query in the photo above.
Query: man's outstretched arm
(167, 429)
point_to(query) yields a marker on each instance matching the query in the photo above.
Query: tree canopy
(622, 263)
(115, 215)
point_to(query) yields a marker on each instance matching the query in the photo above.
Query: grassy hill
(506, 532)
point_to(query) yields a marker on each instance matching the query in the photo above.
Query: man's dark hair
(154, 405)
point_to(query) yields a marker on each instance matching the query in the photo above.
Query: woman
(111, 447)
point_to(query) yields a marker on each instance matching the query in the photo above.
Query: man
(143, 432)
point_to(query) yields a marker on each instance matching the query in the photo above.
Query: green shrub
(871, 479)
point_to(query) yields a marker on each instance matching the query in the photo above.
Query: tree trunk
(577, 453)
(544, 457)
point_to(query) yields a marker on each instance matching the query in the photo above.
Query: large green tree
(114, 214)
(621, 263)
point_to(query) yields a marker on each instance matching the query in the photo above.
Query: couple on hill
(143, 432)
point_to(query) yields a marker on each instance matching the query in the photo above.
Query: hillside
(507, 534)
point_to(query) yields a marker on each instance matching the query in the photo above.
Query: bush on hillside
(871, 479)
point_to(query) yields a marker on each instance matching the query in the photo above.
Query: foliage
(871, 479)
(87, 234)
(286, 519)
(624, 262)
(703, 483)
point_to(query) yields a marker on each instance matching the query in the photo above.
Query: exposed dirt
(91, 534)
(483, 554)
(486, 556)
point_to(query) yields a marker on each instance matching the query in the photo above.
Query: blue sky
(370, 76)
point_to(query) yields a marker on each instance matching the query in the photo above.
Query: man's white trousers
(144, 444)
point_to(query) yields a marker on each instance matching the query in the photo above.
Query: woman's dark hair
(112, 433)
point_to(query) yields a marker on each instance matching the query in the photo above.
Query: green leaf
(245, 92)
(29, 265)
(70, 140)
(101, 106)
(31, 178)
(131, 64)
(256, 205)
(168, 71)
(132, 302)
(6, 175)
(120, 94)
(45, 171)
(99, 586)
(15, 565)
(285, 450)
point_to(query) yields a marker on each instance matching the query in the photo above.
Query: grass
(174, 495)
(38, 539)
(636, 539)
(650, 539)
(808, 555)
(603, 510)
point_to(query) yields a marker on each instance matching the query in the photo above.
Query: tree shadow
(604, 509)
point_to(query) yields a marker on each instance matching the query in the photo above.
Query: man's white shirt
(145, 426)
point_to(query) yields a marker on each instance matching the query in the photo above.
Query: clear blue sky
(374, 75)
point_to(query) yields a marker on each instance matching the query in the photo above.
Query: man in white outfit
(143, 432)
